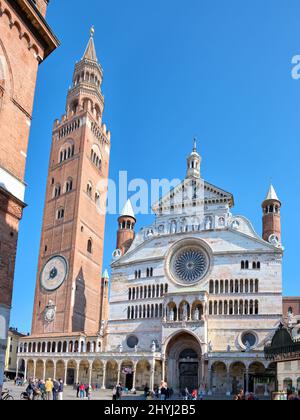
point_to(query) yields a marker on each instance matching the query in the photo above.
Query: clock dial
(54, 273)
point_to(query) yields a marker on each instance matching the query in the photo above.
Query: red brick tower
(26, 40)
(126, 234)
(271, 217)
(68, 288)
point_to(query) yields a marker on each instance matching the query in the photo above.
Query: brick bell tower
(69, 285)
(271, 217)
(126, 234)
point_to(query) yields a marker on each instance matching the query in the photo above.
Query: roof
(90, 51)
(128, 210)
(272, 194)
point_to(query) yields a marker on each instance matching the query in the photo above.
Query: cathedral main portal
(184, 363)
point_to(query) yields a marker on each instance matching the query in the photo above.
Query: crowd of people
(84, 391)
(46, 390)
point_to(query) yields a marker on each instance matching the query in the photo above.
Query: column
(134, 376)
(17, 368)
(228, 385)
(210, 380)
(66, 372)
(44, 371)
(77, 372)
(163, 373)
(68, 347)
(90, 373)
(152, 364)
(25, 372)
(247, 381)
(34, 369)
(56, 347)
(104, 376)
(119, 372)
(54, 373)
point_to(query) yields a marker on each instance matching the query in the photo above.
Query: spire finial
(195, 144)
(92, 31)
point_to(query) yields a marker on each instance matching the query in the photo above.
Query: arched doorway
(184, 368)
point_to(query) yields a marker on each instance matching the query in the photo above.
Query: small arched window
(90, 246)
(57, 191)
(69, 185)
(89, 189)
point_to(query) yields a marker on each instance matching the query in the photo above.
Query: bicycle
(5, 396)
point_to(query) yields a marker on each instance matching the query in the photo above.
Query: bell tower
(126, 234)
(69, 284)
(194, 163)
(271, 217)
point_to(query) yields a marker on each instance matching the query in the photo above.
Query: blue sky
(175, 69)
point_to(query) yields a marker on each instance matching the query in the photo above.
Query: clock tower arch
(68, 288)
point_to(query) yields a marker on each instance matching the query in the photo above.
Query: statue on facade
(121, 348)
(210, 347)
(248, 346)
(197, 315)
(228, 348)
(172, 315)
(153, 347)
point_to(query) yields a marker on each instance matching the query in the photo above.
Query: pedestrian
(60, 390)
(114, 394)
(30, 390)
(195, 395)
(82, 391)
(146, 391)
(119, 391)
(55, 390)
(78, 390)
(89, 393)
(49, 389)
(186, 394)
(163, 391)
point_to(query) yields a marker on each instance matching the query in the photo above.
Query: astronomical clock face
(54, 273)
(189, 265)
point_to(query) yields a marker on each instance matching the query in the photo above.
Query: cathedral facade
(194, 298)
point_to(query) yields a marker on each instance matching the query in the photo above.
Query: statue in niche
(153, 347)
(172, 315)
(210, 347)
(208, 223)
(185, 312)
(173, 228)
(248, 346)
(197, 315)
(228, 348)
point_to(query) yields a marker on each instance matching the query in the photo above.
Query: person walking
(119, 391)
(82, 391)
(78, 390)
(49, 389)
(163, 391)
(55, 390)
(114, 394)
(60, 390)
(89, 393)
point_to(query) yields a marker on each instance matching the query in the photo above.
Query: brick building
(25, 41)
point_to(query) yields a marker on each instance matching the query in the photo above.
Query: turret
(271, 217)
(126, 234)
(194, 163)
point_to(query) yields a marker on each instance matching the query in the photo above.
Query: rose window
(190, 265)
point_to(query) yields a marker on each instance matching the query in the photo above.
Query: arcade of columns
(221, 373)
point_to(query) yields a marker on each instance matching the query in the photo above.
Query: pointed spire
(105, 275)
(128, 210)
(195, 145)
(272, 194)
(90, 51)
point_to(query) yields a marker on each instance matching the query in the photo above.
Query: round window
(249, 339)
(189, 265)
(132, 341)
